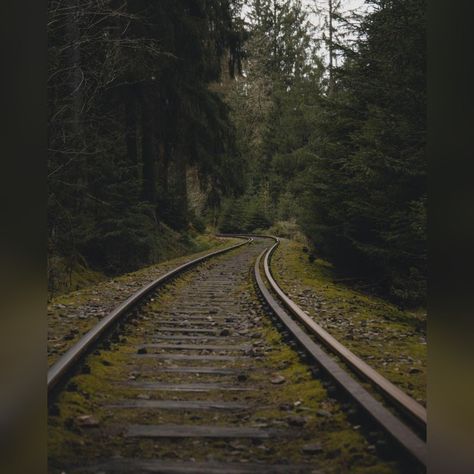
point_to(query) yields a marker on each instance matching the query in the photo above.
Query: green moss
(344, 449)
(172, 247)
(391, 340)
(103, 295)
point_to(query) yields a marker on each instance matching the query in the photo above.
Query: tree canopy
(282, 114)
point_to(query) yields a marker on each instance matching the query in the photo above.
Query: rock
(72, 387)
(312, 449)
(373, 435)
(333, 453)
(225, 332)
(315, 372)
(285, 407)
(54, 410)
(324, 413)
(414, 370)
(296, 420)
(278, 379)
(86, 369)
(380, 443)
(142, 350)
(237, 446)
(242, 377)
(87, 421)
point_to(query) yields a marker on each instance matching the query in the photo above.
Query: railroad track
(284, 308)
(190, 375)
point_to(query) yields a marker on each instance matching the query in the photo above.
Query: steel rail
(401, 433)
(395, 394)
(59, 370)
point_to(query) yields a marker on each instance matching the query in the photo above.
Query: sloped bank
(71, 315)
(391, 340)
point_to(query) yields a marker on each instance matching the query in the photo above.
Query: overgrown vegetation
(339, 147)
(393, 341)
(181, 114)
(131, 114)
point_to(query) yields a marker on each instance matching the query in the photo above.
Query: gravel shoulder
(391, 340)
(97, 415)
(71, 315)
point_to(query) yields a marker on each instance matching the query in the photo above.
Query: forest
(171, 118)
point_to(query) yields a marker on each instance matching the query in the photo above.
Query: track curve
(403, 435)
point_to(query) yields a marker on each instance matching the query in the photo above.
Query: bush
(233, 217)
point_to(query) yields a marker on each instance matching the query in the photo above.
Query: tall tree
(366, 204)
(129, 99)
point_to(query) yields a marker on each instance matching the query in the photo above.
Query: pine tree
(366, 199)
(131, 109)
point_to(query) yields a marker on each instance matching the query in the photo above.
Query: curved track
(192, 383)
(396, 395)
(60, 370)
(292, 314)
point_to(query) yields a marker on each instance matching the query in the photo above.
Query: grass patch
(390, 339)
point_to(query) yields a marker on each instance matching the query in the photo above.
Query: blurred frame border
(451, 237)
(23, 237)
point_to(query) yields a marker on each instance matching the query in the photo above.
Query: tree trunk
(181, 188)
(74, 131)
(331, 49)
(148, 152)
(131, 127)
(74, 64)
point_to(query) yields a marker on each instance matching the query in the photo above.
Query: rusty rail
(290, 314)
(396, 395)
(64, 365)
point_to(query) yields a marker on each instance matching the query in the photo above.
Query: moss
(81, 276)
(344, 449)
(391, 340)
(71, 315)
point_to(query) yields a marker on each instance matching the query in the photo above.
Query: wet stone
(87, 421)
(242, 377)
(312, 449)
(278, 380)
(296, 420)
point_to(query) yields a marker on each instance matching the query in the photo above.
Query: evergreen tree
(366, 199)
(131, 110)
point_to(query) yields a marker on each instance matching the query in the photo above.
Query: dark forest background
(169, 117)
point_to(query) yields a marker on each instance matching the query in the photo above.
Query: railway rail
(66, 364)
(209, 338)
(403, 434)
